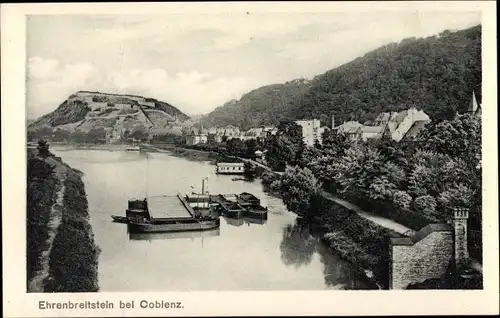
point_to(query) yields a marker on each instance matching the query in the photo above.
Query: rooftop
(230, 164)
(420, 235)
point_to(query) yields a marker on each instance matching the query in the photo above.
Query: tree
(43, 148)
(251, 146)
(298, 187)
(401, 200)
(139, 133)
(457, 196)
(356, 170)
(96, 135)
(285, 148)
(335, 141)
(460, 138)
(426, 205)
(236, 147)
(61, 135)
(78, 137)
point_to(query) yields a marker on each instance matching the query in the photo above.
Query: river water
(280, 254)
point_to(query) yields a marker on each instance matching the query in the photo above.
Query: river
(280, 254)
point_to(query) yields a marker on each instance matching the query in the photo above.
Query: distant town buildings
(196, 136)
(311, 131)
(397, 125)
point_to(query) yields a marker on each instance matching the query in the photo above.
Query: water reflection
(233, 222)
(298, 245)
(340, 274)
(244, 220)
(134, 236)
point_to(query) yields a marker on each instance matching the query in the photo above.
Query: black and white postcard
(179, 159)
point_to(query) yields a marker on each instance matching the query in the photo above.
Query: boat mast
(147, 174)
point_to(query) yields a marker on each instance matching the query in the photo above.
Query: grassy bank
(72, 262)
(40, 196)
(354, 238)
(74, 257)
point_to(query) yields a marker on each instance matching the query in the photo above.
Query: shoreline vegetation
(61, 253)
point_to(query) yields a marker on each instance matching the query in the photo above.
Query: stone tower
(460, 216)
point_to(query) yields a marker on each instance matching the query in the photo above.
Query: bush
(74, 256)
(426, 205)
(100, 99)
(40, 196)
(402, 200)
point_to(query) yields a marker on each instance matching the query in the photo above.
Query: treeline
(415, 182)
(266, 105)
(40, 196)
(232, 147)
(74, 257)
(436, 74)
(97, 135)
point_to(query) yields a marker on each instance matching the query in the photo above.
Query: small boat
(133, 148)
(248, 198)
(238, 179)
(119, 219)
(231, 210)
(256, 211)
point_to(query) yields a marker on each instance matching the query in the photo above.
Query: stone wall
(428, 258)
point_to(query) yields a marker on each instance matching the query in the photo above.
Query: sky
(198, 62)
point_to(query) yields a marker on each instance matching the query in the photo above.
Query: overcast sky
(200, 61)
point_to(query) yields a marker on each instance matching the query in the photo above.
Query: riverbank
(62, 255)
(108, 147)
(190, 154)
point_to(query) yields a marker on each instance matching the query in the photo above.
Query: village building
(312, 131)
(429, 253)
(407, 123)
(214, 137)
(196, 136)
(229, 132)
(253, 133)
(269, 131)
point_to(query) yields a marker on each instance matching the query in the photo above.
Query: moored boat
(119, 219)
(256, 211)
(173, 225)
(133, 148)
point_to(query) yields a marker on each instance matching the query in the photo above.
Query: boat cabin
(230, 168)
(230, 197)
(248, 198)
(138, 209)
(195, 200)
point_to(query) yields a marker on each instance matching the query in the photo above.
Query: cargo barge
(182, 216)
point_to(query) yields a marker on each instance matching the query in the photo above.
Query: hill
(436, 74)
(85, 111)
(263, 106)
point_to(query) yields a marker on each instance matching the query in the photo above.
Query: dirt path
(36, 284)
